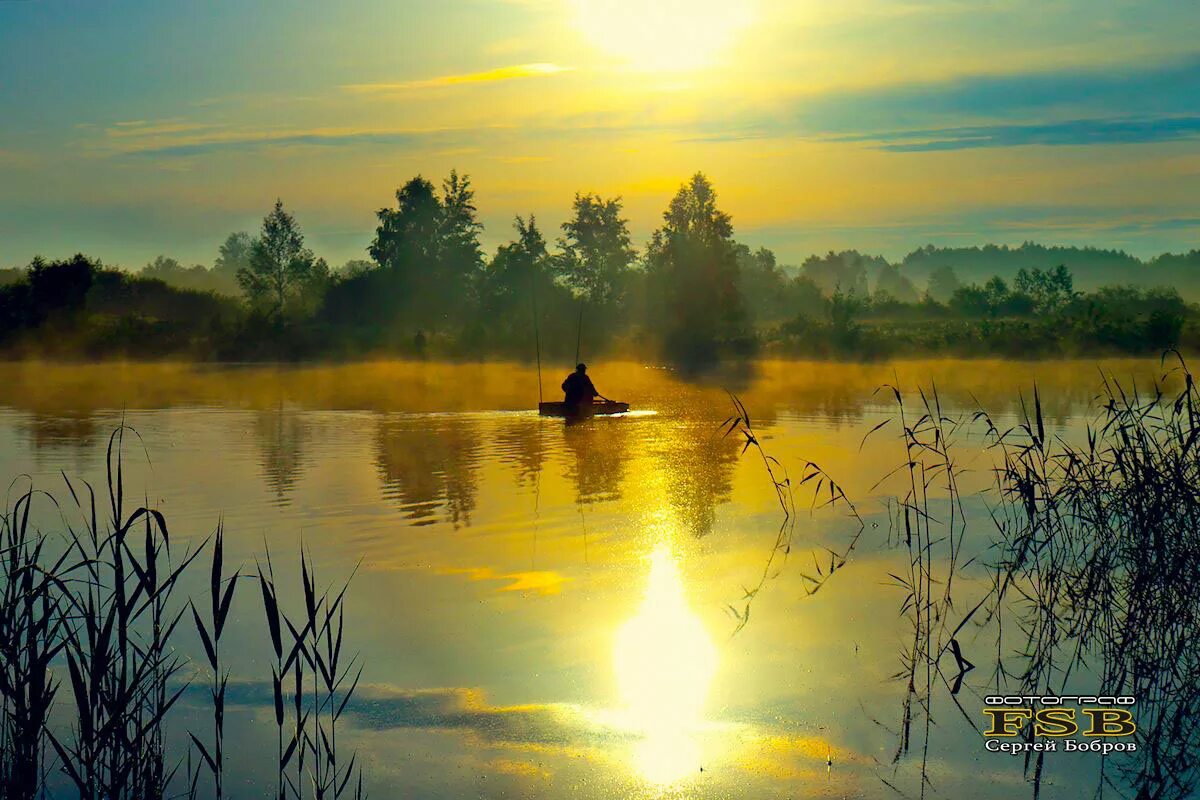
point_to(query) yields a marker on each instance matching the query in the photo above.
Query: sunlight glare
(665, 35)
(665, 663)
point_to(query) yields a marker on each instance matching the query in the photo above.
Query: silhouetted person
(419, 343)
(578, 388)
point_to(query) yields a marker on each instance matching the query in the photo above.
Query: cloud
(541, 582)
(1067, 132)
(166, 127)
(1120, 89)
(1151, 104)
(255, 140)
(380, 708)
(510, 73)
(1119, 105)
(524, 735)
(1077, 132)
(446, 140)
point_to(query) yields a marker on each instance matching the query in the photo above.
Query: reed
(93, 608)
(1100, 558)
(820, 483)
(316, 642)
(118, 623)
(31, 636)
(928, 521)
(1093, 553)
(221, 593)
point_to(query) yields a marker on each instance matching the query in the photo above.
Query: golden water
(543, 609)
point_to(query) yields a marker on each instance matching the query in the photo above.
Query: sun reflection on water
(665, 662)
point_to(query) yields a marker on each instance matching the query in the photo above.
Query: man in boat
(578, 389)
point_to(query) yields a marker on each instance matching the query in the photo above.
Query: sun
(663, 35)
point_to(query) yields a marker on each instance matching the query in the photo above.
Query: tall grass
(31, 636)
(1093, 553)
(118, 622)
(928, 521)
(317, 642)
(1095, 556)
(1101, 560)
(221, 594)
(739, 424)
(90, 668)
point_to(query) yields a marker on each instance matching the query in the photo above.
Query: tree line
(691, 295)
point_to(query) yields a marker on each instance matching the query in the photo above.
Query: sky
(134, 128)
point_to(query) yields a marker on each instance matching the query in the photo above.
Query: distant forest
(691, 295)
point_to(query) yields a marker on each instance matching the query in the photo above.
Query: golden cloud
(509, 73)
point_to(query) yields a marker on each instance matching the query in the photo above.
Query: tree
(997, 292)
(1049, 290)
(694, 277)
(596, 250)
(430, 248)
(355, 266)
(461, 255)
(408, 234)
(803, 297)
(893, 283)
(519, 263)
(281, 269)
(970, 300)
(943, 283)
(196, 277)
(518, 291)
(164, 268)
(845, 271)
(763, 285)
(234, 254)
(843, 330)
(58, 290)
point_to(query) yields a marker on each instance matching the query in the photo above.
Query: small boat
(561, 409)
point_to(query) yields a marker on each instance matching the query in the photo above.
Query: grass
(1094, 556)
(740, 425)
(90, 621)
(1100, 557)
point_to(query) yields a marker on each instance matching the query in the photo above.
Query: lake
(551, 610)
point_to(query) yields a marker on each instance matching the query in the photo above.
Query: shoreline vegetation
(1092, 556)
(692, 296)
(92, 612)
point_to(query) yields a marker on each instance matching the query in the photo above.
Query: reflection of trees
(77, 431)
(282, 435)
(698, 464)
(601, 449)
(521, 444)
(695, 464)
(429, 464)
(67, 435)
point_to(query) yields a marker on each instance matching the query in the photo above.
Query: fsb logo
(1098, 720)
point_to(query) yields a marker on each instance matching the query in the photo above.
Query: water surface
(544, 610)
